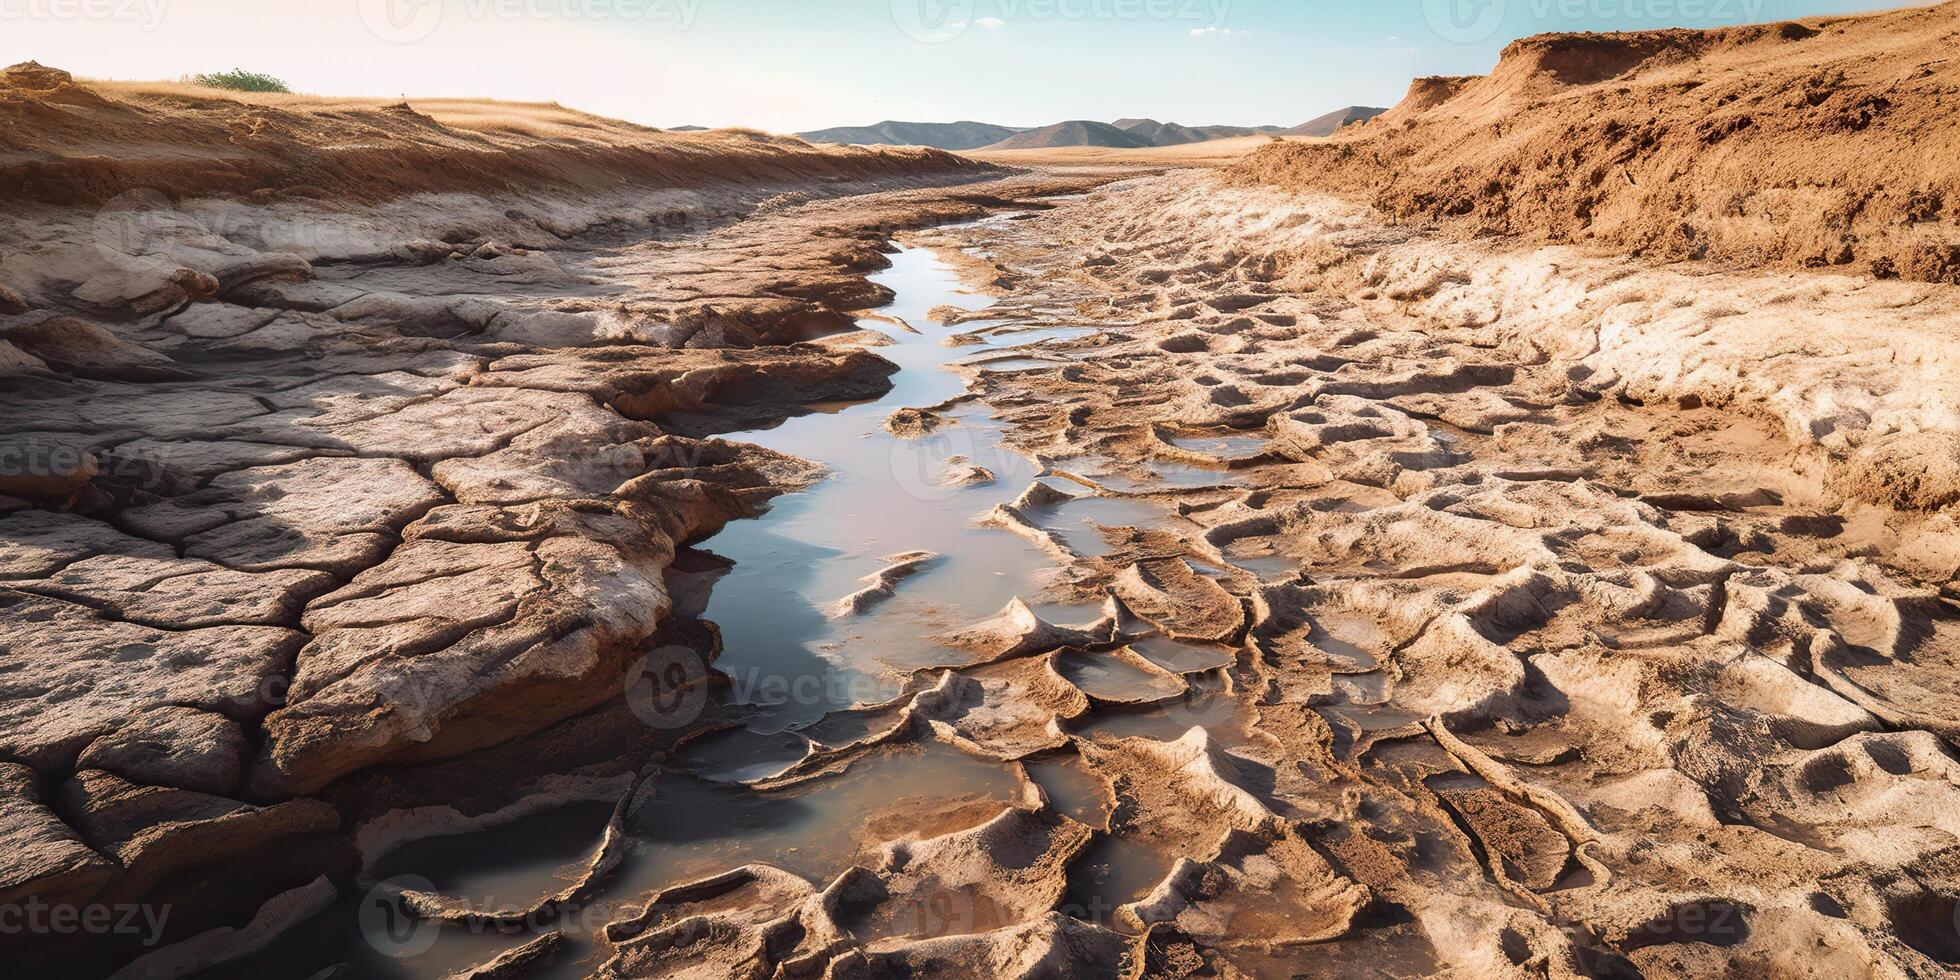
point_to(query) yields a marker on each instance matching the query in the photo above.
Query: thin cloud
(1219, 31)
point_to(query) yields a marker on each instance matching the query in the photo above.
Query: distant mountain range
(1075, 132)
(1172, 134)
(962, 135)
(1123, 133)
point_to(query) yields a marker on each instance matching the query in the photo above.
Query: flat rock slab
(173, 746)
(185, 593)
(38, 543)
(69, 676)
(155, 832)
(40, 855)
(332, 514)
(459, 422)
(452, 645)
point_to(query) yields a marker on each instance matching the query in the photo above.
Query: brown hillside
(1823, 142)
(76, 142)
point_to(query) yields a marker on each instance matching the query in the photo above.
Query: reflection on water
(1112, 872)
(689, 828)
(882, 498)
(1205, 706)
(741, 755)
(1183, 658)
(509, 865)
(1001, 364)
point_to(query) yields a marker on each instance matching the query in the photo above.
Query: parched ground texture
(1564, 615)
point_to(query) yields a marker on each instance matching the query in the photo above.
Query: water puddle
(1026, 338)
(1074, 791)
(741, 755)
(1112, 872)
(1206, 705)
(1179, 657)
(1109, 677)
(689, 828)
(1012, 364)
(1372, 717)
(512, 864)
(1077, 521)
(1270, 567)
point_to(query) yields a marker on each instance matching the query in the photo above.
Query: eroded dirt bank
(1823, 142)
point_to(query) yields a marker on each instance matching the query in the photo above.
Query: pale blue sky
(802, 64)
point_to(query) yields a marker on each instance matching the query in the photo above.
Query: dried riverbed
(1228, 583)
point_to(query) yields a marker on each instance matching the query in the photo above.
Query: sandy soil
(1823, 143)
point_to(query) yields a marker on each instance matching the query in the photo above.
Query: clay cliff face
(1825, 143)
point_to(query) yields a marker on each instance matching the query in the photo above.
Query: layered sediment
(1817, 143)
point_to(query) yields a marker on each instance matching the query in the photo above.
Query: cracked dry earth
(1367, 605)
(277, 533)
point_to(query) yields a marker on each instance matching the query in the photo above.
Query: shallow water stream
(789, 656)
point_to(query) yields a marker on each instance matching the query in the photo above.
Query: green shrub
(240, 80)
